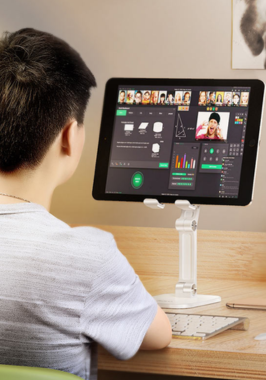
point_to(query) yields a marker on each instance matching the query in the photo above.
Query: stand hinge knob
(194, 225)
(185, 289)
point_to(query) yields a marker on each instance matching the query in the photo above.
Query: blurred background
(151, 38)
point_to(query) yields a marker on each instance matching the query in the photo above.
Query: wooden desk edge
(190, 362)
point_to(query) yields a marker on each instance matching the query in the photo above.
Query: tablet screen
(185, 141)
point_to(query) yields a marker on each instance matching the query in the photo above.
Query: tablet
(169, 139)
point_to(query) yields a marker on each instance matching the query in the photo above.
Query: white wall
(151, 38)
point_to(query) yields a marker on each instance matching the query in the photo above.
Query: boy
(62, 288)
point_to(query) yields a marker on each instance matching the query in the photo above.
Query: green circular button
(211, 151)
(137, 180)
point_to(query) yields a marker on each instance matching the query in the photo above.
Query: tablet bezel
(251, 143)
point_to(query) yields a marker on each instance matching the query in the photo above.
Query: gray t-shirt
(62, 290)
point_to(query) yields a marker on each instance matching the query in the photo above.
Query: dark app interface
(178, 141)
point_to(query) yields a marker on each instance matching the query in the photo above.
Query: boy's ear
(68, 137)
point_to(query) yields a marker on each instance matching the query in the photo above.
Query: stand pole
(185, 295)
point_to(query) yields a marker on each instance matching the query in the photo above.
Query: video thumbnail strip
(183, 98)
(223, 98)
(144, 97)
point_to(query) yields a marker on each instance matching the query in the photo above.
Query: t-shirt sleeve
(118, 310)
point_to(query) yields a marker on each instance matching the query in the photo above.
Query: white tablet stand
(185, 295)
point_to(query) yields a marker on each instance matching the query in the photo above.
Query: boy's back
(63, 288)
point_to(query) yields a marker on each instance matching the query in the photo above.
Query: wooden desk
(230, 264)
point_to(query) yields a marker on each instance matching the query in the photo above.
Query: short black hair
(44, 83)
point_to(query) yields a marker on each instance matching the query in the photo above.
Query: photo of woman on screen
(162, 98)
(178, 97)
(210, 129)
(244, 98)
(186, 99)
(219, 99)
(236, 99)
(228, 99)
(202, 98)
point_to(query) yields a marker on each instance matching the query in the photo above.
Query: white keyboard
(196, 326)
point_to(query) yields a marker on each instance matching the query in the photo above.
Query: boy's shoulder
(40, 228)
(84, 237)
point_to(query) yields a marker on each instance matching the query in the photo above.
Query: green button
(137, 180)
(121, 112)
(205, 166)
(179, 174)
(163, 164)
(211, 151)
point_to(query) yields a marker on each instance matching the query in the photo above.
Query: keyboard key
(200, 334)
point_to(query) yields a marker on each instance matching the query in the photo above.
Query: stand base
(171, 301)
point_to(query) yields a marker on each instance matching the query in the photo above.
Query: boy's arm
(159, 334)
(118, 311)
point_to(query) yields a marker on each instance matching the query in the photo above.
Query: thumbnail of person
(219, 98)
(211, 98)
(138, 97)
(146, 97)
(244, 98)
(162, 98)
(178, 97)
(236, 99)
(202, 98)
(122, 97)
(228, 99)
(154, 97)
(170, 98)
(212, 126)
(130, 97)
(186, 98)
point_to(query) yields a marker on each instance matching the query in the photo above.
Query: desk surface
(230, 264)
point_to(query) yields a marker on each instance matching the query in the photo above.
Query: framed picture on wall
(249, 27)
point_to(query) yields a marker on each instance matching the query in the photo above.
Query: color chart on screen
(184, 166)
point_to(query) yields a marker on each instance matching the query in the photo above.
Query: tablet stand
(185, 295)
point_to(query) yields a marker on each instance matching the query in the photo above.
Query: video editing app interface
(178, 141)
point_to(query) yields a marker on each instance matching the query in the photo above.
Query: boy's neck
(27, 185)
